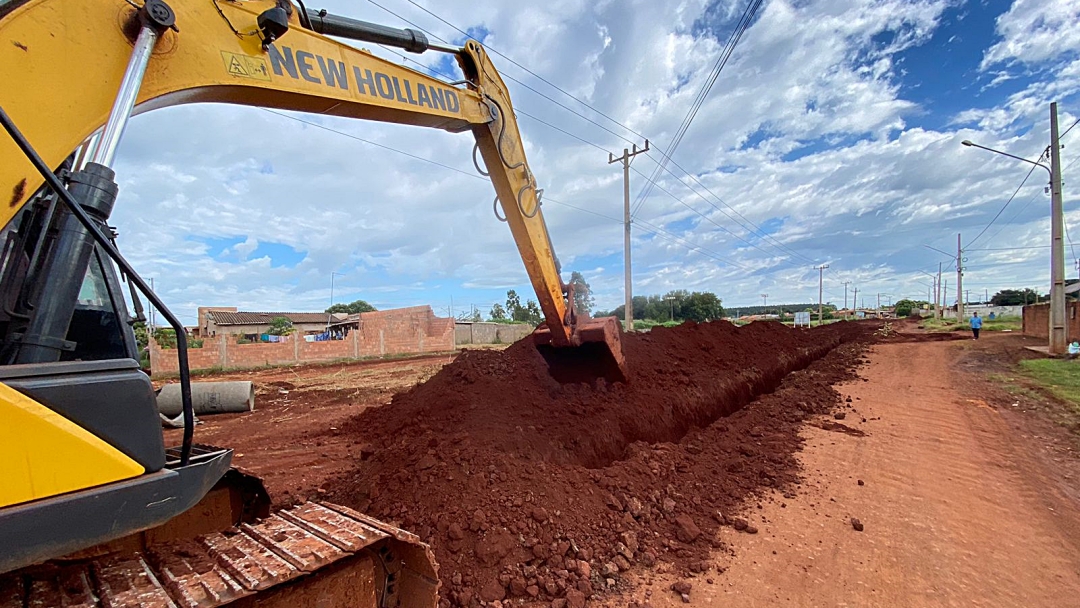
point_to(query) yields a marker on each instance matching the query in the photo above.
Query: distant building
(227, 320)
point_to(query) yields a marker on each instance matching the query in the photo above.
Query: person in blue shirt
(976, 325)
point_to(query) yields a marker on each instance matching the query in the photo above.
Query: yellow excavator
(95, 510)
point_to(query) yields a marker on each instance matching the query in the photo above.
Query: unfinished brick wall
(398, 331)
(1037, 320)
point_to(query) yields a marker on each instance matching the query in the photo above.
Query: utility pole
(765, 303)
(820, 281)
(855, 299)
(330, 315)
(937, 296)
(945, 295)
(959, 279)
(846, 283)
(1058, 329)
(625, 159)
(879, 301)
(153, 318)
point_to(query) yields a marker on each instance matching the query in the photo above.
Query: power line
(1030, 200)
(534, 74)
(659, 232)
(733, 40)
(1003, 207)
(744, 23)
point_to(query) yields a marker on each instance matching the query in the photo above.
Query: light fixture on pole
(1058, 328)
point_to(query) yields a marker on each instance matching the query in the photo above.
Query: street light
(1058, 329)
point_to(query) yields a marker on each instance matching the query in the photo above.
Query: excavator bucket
(595, 351)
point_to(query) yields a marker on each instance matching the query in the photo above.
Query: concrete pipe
(208, 398)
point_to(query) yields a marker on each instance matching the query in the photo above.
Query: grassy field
(1058, 376)
(998, 324)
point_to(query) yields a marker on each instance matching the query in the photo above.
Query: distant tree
(281, 326)
(142, 335)
(471, 316)
(1015, 297)
(165, 337)
(498, 313)
(513, 304)
(351, 308)
(532, 313)
(583, 299)
(702, 306)
(903, 308)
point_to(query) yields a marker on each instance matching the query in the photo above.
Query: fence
(386, 332)
(466, 332)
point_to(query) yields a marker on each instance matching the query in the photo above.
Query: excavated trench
(504, 469)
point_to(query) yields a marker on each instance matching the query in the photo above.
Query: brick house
(227, 320)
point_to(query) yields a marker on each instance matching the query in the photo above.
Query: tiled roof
(263, 318)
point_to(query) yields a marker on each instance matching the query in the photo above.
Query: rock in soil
(855, 523)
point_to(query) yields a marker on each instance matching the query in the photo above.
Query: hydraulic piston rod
(353, 29)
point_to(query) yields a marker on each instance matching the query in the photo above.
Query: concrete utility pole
(855, 299)
(945, 296)
(330, 315)
(959, 279)
(879, 301)
(846, 283)
(1058, 329)
(765, 303)
(937, 297)
(820, 281)
(625, 159)
(153, 316)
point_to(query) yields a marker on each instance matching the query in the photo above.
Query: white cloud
(1035, 31)
(821, 80)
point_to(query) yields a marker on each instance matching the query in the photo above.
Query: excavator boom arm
(63, 60)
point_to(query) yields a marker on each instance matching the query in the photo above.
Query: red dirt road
(958, 508)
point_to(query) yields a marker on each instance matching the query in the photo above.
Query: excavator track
(314, 554)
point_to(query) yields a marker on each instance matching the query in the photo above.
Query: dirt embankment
(526, 487)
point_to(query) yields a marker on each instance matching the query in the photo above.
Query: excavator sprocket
(314, 554)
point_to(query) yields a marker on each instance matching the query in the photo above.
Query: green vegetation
(1002, 323)
(1061, 377)
(529, 313)
(281, 326)
(647, 324)
(1014, 297)
(351, 307)
(679, 305)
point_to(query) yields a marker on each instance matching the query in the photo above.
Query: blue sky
(830, 137)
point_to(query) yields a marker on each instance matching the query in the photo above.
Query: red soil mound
(528, 487)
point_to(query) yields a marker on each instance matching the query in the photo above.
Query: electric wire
(733, 40)
(744, 23)
(655, 231)
(1005, 206)
(602, 149)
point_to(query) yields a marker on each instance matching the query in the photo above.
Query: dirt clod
(681, 587)
(861, 483)
(855, 523)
